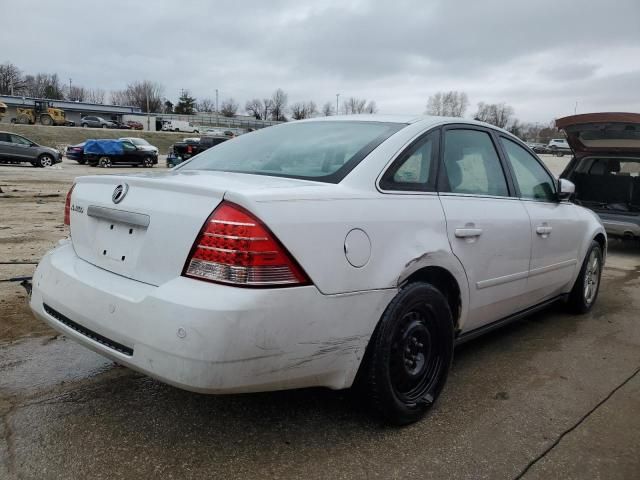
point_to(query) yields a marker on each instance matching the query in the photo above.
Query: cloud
(396, 52)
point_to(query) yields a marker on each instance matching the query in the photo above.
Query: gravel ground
(554, 396)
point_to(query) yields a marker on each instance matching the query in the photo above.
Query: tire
(104, 125)
(104, 162)
(84, 125)
(82, 162)
(46, 120)
(409, 355)
(45, 160)
(147, 162)
(585, 291)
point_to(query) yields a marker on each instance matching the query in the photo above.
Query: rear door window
(415, 169)
(471, 164)
(20, 140)
(534, 181)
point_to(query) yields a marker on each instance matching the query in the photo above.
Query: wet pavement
(553, 396)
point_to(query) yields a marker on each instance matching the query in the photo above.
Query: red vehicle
(135, 125)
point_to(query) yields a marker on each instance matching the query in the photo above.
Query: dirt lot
(554, 396)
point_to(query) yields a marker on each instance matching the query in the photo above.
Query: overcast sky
(540, 56)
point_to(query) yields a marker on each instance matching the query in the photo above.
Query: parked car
(121, 125)
(189, 147)
(107, 153)
(96, 122)
(135, 125)
(76, 152)
(558, 147)
(606, 167)
(324, 252)
(179, 126)
(141, 143)
(538, 147)
(15, 148)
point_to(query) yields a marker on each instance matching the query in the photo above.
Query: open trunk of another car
(606, 167)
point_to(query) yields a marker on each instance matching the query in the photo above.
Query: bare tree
(229, 108)
(328, 110)
(119, 97)
(95, 95)
(353, 105)
(77, 94)
(278, 105)
(302, 110)
(448, 104)
(206, 105)
(43, 85)
(267, 107)
(498, 114)
(11, 80)
(137, 93)
(371, 107)
(254, 108)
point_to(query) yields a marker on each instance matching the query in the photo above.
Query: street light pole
(70, 89)
(148, 118)
(217, 120)
(337, 97)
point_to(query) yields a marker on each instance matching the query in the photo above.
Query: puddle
(34, 364)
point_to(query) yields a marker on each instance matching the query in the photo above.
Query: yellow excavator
(3, 110)
(42, 112)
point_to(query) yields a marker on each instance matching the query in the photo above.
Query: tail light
(234, 247)
(189, 149)
(67, 206)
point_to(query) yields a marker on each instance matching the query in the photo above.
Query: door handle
(543, 229)
(468, 232)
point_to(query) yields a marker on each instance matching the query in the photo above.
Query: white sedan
(328, 252)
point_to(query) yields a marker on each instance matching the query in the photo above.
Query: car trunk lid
(602, 133)
(143, 226)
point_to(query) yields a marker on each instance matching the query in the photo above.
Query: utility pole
(70, 97)
(148, 118)
(337, 97)
(217, 120)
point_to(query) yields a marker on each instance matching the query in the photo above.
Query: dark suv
(97, 122)
(17, 149)
(107, 153)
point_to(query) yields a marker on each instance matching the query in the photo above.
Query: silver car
(15, 148)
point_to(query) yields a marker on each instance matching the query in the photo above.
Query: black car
(107, 153)
(181, 151)
(75, 152)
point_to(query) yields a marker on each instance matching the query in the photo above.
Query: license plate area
(118, 244)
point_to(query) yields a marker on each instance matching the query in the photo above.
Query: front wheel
(147, 162)
(45, 161)
(409, 355)
(585, 291)
(104, 162)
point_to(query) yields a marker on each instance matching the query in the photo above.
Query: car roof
(426, 120)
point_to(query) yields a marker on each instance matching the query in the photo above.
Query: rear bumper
(206, 337)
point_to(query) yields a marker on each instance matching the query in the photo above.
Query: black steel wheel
(409, 355)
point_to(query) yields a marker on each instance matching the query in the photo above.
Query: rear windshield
(323, 151)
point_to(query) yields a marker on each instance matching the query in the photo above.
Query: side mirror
(565, 188)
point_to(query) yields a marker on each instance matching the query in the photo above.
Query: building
(74, 111)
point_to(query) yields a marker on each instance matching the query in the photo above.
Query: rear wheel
(585, 291)
(104, 125)
(104, 162)
(409, 355)
(85, 125)
(45, 160)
